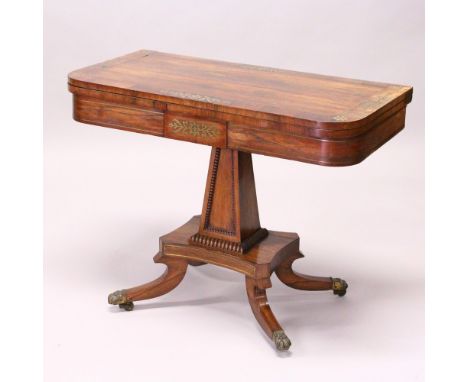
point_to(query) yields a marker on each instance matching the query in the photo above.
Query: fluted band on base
(229, 246)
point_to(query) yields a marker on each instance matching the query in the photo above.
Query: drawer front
(96, 112)
(195, 130)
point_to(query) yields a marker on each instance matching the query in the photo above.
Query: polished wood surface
(275, 253)
(172, 277)
(238, 110)
(300, 116)
(262, 311)
(297, 280)
(259, 92)
(258, 262)
(230, 219)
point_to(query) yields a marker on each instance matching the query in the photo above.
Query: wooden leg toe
(264, 315)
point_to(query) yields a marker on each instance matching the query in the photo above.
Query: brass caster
(128, 306)
(118, 297)
(339, 287)
(281, 340)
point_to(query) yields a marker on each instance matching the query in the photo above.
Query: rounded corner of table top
(329, 121)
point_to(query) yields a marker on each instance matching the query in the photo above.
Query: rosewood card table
(238, 110)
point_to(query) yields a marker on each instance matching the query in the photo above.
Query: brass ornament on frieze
(193, 128)
(196, 97)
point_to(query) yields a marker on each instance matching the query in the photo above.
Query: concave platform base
(275, 253)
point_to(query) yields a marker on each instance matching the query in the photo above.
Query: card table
(238, 110)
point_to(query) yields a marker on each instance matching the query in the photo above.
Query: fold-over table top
(265, 93)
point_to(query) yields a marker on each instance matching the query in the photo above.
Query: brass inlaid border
(370, 105)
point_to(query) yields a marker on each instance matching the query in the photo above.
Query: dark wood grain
(238, 109)
(259, 91)
(261, 308)
(172, 277)
(275, 253)
(230, 219)
(300, 116)
(116, 116)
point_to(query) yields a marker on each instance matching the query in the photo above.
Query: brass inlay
(248, 269)
(370, 105)
(193, 128)
(196, 97)
(339, 118)
(260, 68)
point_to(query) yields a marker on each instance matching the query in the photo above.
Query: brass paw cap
(339, 286)
(281, 340)
(117, 298)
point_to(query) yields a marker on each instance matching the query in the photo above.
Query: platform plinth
(228, 234)
(275, 253)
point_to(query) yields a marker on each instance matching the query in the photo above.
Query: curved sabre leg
(264, 315)
(172, 277)
(299, 281)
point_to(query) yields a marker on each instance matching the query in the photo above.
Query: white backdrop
(110, 194)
